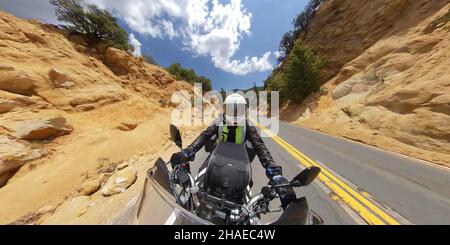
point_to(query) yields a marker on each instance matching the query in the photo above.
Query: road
(408, 190)
(359, 184)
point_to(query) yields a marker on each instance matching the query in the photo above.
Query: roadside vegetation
(300, 24)
(100, 25)
(298, 74)
(189, 76)
(90, 20)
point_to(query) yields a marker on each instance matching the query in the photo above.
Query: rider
(235, 128)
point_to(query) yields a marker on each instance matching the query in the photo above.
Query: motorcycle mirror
(175, 135)
(307, 176)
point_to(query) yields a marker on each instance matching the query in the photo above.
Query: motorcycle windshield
(157, 205)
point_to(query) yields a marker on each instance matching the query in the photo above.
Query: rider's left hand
(184, 157)
(189, 154)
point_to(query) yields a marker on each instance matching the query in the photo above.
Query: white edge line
(171, 219)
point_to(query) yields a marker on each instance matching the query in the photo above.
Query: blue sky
(211, 36)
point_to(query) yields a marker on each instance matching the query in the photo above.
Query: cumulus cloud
(206, 28)
(136, 45)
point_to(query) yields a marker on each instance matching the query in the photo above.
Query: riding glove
(286, 193)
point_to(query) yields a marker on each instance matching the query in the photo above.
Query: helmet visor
(235, 110)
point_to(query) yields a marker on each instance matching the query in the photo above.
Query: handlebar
(267, 193)
(294, 183)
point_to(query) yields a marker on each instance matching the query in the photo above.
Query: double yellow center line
(370, 212)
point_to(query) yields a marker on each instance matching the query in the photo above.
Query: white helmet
(235, 110)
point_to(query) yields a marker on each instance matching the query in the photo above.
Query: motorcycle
(220, 193)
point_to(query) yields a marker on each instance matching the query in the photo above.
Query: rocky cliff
(386, 82)
(71, 113)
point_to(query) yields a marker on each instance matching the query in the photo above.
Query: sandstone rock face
(118, 60)
(387, 72)
(16, 82)
(35, 218)
(14, 154)
(84, 89)
(119, 182)
(17, 98)
(43, 129)
(7, 105)
(78, 39)
(60, 78)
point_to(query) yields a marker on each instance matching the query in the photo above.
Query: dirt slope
(387, 79)
(69, 112)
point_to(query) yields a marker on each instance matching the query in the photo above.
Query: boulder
(119, 182)
(9, 101)
(118, 61)
(20, 99)
(43, 129)
(16, 82)
(89, 187)
(103, 178)
(57, 75)
(14, 154)
(7, 105)
(127, 126)
(60, 78)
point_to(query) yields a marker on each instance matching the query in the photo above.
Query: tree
(301, 74)
(300, 24)
(88, 19)
(286, 44)
(302, 20)
(189, 76)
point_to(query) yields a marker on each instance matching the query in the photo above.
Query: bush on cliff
(88, 19)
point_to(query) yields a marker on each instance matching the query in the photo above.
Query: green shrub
(88, 19)
(189, 76)
(300, 75)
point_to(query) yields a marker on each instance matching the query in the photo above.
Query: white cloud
(206, 28)
(136, 44)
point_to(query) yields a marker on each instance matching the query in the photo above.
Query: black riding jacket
(251, 134)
